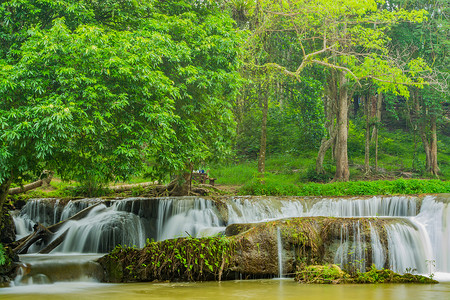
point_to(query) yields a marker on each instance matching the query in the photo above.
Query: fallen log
(78, 216)
(54, 244)
(33, 185)
(40, 232)
(127, 187)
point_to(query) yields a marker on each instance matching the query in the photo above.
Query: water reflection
(250, 289)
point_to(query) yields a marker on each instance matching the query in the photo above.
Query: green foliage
(351, 188)
(70, 113)
(312, 175)
(333, 274)
(96, 92)
(355, 141)
(234, 174)
(3, 256)
(187, 258)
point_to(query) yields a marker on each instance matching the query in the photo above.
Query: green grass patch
(234, 174)
(272, 187)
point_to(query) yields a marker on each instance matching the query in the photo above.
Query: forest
(254, 92)
(270, 114)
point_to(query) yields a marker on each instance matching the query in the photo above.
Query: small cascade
(408, 248)
(102, 230)
(257, 209)
(248, 210)
(378, 253)
(351, 253)
(280, 254)
(195, 217)
(47, 212)
(434, 219)
(375, 206)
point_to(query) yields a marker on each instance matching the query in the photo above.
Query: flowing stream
(419, 241)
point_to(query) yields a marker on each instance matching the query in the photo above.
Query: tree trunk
(375, 128)
(367, 111)
(426, 148)
(434, 168)
(331, 108)
(422, 129)
(262, 149)
(330, 114)
(324, 146)
(182, 185)
(342, 171)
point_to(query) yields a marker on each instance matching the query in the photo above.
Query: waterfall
(47, 212)
(195, 217)
(247, 210)
(419, 233)
(101, 230)
(375, 206)
(434, 218)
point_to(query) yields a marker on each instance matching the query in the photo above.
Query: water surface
(239, 289)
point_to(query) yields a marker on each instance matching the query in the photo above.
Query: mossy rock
(332, 274)
(322, 274)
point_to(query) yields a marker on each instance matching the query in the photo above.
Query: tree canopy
(97, 90)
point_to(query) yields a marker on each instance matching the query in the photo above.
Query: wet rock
(7, 232)
(8, 265)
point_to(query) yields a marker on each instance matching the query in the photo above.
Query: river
(238, 289)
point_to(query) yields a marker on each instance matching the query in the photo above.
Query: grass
(292, 175)
(351, 188)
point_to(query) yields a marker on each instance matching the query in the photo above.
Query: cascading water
(378, 253)
(101, 230)
(351, 251)
(280, 253)
(406, 248)
(434, 218)
(422, 236)
(47, 212)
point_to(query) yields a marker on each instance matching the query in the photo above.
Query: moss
(333, 274)
(321, 274)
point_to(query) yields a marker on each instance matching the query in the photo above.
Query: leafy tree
(350, 39)
(207, 78)
(89, 104)
(98, 101)
(273, 111)
(429, 41)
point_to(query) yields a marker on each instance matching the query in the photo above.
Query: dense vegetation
(266, 94)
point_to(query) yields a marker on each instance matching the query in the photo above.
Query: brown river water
(238, 289)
